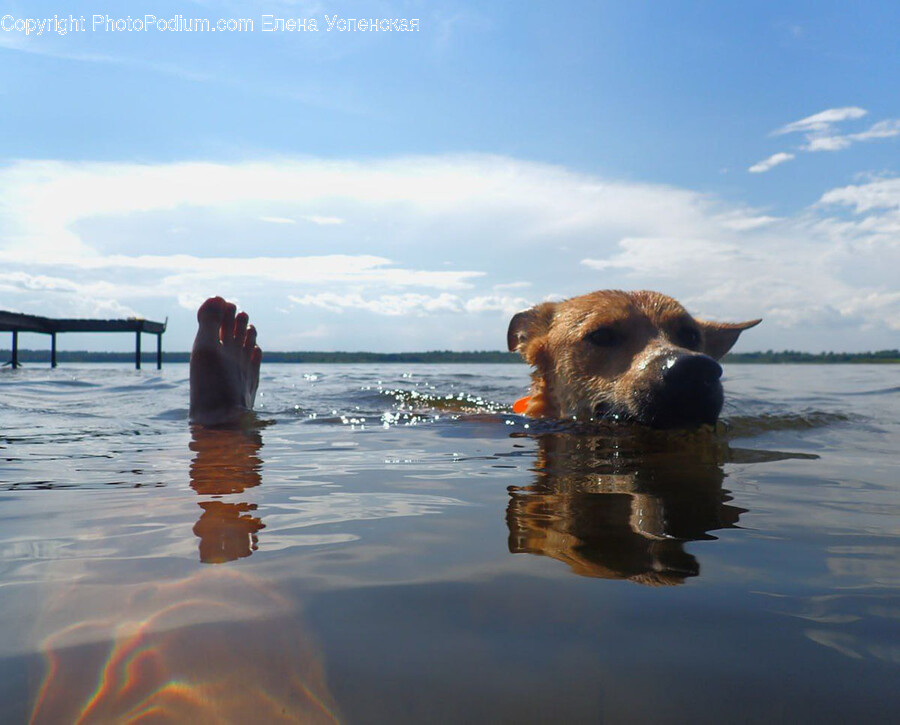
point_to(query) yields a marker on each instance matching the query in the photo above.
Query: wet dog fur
(635, 356)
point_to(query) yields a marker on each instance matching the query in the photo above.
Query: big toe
(210, 315)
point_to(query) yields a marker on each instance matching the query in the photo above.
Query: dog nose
(690, 370)
(688, 394)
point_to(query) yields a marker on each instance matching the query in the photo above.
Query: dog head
(634, 355)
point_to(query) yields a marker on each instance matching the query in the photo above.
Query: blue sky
(411, 190)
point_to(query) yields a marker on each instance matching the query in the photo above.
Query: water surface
(396, 546)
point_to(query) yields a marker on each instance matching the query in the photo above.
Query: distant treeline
(437, 356)
(793, 356)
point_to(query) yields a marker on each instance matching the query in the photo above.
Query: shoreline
(881, 357)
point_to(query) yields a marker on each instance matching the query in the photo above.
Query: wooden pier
(16, 322)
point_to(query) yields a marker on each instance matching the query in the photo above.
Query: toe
(226, 333)
(250, 340)
(247, 348)
(213, 308)
(209, 317)
(255, 361)
(240, 327)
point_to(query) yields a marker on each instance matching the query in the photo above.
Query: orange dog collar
(521, 405)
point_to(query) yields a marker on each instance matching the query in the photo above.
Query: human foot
(224, 364)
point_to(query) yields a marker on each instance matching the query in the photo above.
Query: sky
(411, 190)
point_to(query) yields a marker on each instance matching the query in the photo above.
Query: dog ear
(719, 337)
(528, 324)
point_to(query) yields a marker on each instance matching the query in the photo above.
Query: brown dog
(629, 355)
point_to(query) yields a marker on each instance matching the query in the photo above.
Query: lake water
(376, 556)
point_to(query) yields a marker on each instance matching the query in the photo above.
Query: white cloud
(311, 218)
(322, 220)
(772, 161)
(877, 194)
(822, 121)
(69, 298)
(42, 203)
(294, 270)
(392, 305)
(512, 285)
(665, 256)
(821, 134)
(497, 303)
(827, 143)
(419, 305)
(815, 271)
(86, 235)
(742, 222)
(888, 128)
(883, 129)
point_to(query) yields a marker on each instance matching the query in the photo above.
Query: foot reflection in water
(619, 508)
(226, 462)
(221, 644)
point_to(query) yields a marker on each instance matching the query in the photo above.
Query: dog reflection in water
(226, 461)
(615, 507)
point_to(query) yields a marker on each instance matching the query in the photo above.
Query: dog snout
(688, 394)
(690, 370)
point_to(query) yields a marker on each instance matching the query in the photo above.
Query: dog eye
(603, 337)
(688, 337)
